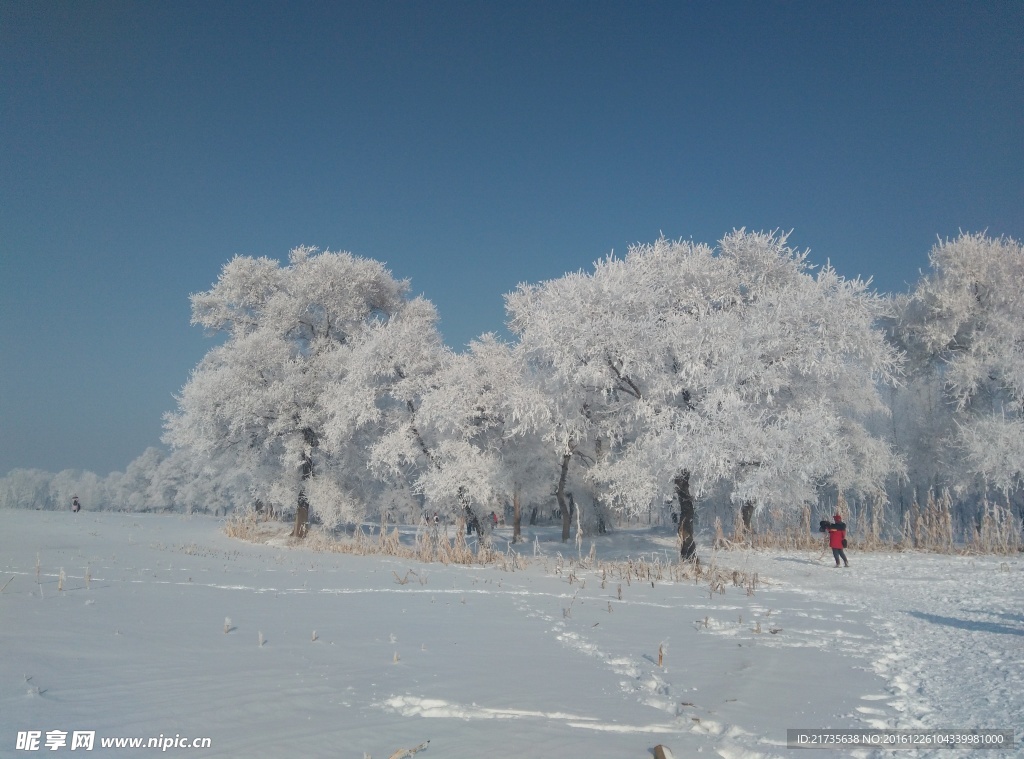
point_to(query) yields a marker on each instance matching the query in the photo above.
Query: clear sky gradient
(470, 145)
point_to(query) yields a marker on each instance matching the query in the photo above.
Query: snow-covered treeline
(155, 481)
(682, 377)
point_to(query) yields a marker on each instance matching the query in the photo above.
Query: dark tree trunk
(517, 516)
(302, 508)
(301, 516)
(560, 495)
(687, 517)
(599, 512)
(747, 514)
(575, 511)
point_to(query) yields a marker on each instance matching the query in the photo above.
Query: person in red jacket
(837, 539)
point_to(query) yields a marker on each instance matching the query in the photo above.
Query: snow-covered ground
(163, 626)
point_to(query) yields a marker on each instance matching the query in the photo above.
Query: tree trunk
(596, 503)
(687, 517)
(560, 495)
(747, 514)
(575, 513)
(517, 516)
(301, 516)
(302, 508)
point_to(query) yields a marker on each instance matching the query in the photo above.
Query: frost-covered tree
(26, 489)
(919, 422)
(572, 421)
(71, 482)
(36, 489)
(681, 367)
(183, 482)
(285, 395)
(963, 327)
(129, 490)
(470, 445)
(393, 368)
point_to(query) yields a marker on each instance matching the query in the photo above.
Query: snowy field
(163, 626)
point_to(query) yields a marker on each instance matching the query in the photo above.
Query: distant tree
(183, 482)
(682, 366)
(71, 482)
(26, 489)
(130, 490)
(284, 395)
(919, 423)
(963, 327)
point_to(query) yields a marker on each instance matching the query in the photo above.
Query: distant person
(837, 539)
(75, 505)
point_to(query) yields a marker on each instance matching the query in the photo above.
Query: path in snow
(949, 633)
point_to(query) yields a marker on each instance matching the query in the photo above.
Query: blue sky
(470, 145)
